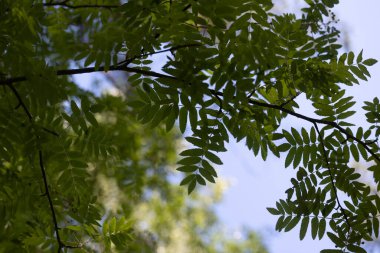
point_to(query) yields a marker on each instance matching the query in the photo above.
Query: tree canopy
(233, 69)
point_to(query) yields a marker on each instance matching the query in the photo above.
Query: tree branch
(121, 66)
(219, 101)
(331, 175)
(52, 210)
(291, 99)
(43, 171)
(66, 72)
(319, 121)
(65, 4)
(20, 102)
(175, 48)
(50, 131)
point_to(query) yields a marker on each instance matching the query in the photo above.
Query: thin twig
(65, 4)
(122, 66)
(291, 99)
(319, 121)
(50, 131)
(331, 175)
(172, 49)
(41, 163)
(52, 210)
(20, 102)
(186, 7)
(220, 102)
(251, 93)
(67, 72)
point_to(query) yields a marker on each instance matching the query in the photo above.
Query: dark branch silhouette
(172, 49)
(66, 4)
(333, 124)
(61, 245)
(325, 156)
(319, 121)
(121, 66)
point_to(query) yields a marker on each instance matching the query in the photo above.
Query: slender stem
(47, 192)
(325, 155)
(171, 49)
(65, 4)
(43, 171)
(21, 102)
(112, 68)
(319, 121)
(121, 66)
(67, 72)
(290, 100)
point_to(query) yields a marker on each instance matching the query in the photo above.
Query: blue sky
(256, 184)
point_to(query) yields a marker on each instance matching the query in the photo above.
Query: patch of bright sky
(257, 184)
